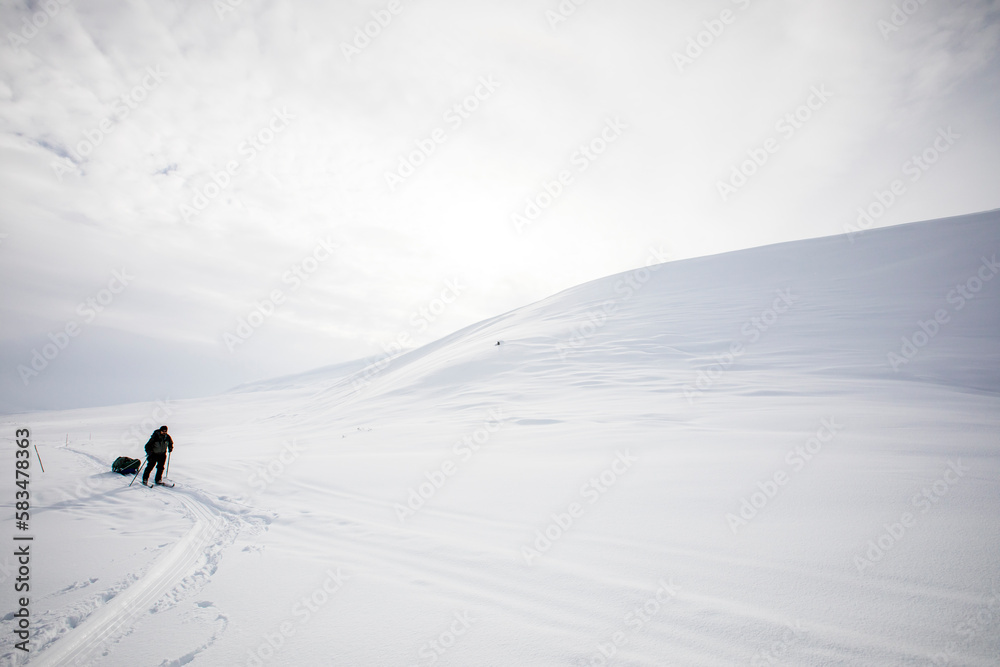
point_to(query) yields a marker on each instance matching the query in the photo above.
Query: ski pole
(137, 471)
(167, 471)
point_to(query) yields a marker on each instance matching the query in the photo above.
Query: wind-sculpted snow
(783, 455)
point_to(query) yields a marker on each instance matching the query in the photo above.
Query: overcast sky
(178, 163)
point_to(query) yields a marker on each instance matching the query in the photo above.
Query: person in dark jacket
(156, 454)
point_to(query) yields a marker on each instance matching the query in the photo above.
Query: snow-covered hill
(783, 455)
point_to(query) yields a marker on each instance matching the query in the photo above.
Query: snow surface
(611, 418)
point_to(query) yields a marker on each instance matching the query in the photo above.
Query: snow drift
(783, 455)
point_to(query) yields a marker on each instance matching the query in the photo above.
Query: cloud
(116, 122)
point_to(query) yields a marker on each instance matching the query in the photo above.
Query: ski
(165, 483)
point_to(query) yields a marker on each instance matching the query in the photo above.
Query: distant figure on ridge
(156, 454)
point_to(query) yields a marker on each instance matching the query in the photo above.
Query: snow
(727, 465)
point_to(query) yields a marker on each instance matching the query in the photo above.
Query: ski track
(729, 602)
(661, 552)
(696, 619)
(186, 567)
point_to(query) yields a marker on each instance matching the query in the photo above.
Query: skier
(156, 454)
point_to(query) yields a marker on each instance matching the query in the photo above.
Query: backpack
(126, 466)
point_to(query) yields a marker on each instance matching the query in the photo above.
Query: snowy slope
(726, 460)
